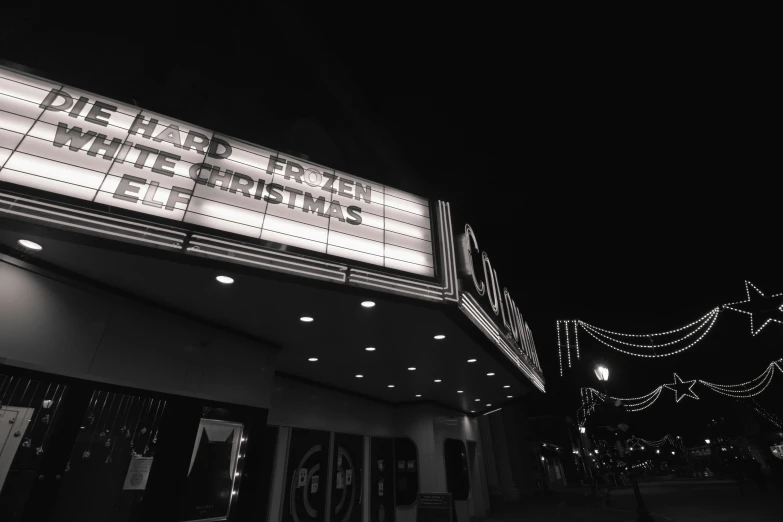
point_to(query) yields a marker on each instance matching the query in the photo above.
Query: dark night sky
(626, 177)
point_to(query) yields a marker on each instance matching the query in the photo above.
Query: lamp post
(602, 374)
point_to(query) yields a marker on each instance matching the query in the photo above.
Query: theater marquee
(59, 139)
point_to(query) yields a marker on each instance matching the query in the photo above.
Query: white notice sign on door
(138, 473)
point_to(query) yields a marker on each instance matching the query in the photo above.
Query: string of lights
(771, 417)
(667, 439)
(762, 309)
(658, 334)
(743, 391)
(773, 315)
(559, 349)
(642, 406)
(576, 337)
(570, 330)
(682, 389)
(701, 323)
(710, 322)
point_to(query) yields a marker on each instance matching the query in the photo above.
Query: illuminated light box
(63, 140)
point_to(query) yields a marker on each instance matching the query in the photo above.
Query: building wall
(304, 405)
(53, 324)
(56, 325)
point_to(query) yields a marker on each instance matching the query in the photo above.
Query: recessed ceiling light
(359, 376)
(489, 405)
(418, 395)
(411, 368)
(313, 359)
(391, 386)
(29, 245)
(471, 360)
(459, 391)
(306, 319)
(440, 336)
(509, 396)
(477, 400)
(370, 349)
(368, 304)
(507, 386)
(225, 279)
(490, 374)
(437, 380)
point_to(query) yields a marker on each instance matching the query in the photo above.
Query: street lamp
(602, 372)
(707, 441)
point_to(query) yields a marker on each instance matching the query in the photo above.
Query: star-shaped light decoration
(682, 388)
(766, 309)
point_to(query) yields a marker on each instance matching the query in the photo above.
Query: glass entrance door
(305, 480)
(73, 450)
(347, 493)
(31, 415)
(382, 505)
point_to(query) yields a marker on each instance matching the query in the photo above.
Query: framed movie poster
(209, 487)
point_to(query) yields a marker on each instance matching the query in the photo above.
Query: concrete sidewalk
(573, 504)
(669, 501)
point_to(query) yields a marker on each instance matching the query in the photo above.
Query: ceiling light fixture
(471, 360)
(459, 391)
(472, 411)
(490, 374)
(507, 386)
(368, 304)
(306, 319)
(370, 349)
(359, 376)
(391, 386)
(509, 396)
(418, 395)
(412, 369)
(313, 359)
(477, 400)
(489, 405)
(440, 337)
(30, 245)
(225, 279)
(437, 380)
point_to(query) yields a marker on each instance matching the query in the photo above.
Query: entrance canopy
(269, 308)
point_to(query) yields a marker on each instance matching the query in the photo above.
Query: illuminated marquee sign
(62, 140)
(475, 264)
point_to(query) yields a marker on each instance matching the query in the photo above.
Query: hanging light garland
(748, 389)
(767, 314)
(638, 442)
(660, 344)
(682, 389)
(761, 308)
(771, 417)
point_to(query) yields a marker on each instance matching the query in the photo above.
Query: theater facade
(197, 328)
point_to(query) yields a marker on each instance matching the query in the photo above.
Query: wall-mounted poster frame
(209, 492)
